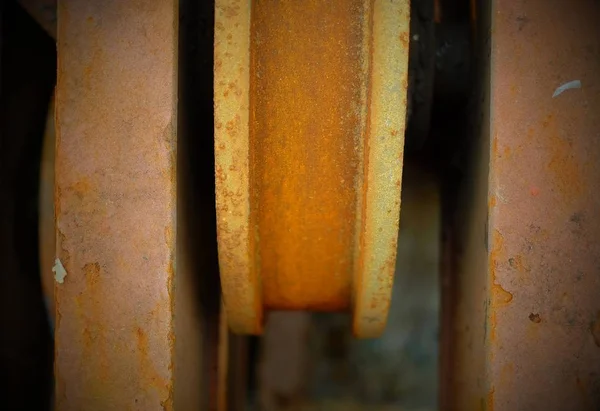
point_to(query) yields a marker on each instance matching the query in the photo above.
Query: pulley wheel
(310, 105)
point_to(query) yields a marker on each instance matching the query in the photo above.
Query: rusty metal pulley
(310, 102)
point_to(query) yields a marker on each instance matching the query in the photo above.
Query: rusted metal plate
(305, 122)
(529, 328)
(115, 204)
(309, 144)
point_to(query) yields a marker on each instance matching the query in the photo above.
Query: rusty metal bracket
(310, 102)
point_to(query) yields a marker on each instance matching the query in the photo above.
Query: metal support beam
(116, 107)
(528, 326)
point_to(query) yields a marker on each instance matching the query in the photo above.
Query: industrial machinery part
(137, 304)
(310, 101)
(526, 327)
(115, 204)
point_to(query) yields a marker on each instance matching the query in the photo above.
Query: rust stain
(494, 148)
(518, 263)
(89, 309)
(302, 137)
(562, 163)
(147, 372)
(490, 399)
(92, 275)
(405, 39)
(296, 190)
(499, 295)
(496, 252)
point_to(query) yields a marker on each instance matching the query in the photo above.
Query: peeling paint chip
(59, 271)
(566, 86)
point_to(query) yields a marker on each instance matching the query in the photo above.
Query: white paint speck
(59, 271)
(566, 86)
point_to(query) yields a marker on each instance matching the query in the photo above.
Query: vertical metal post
(116, 204)
(528, 314)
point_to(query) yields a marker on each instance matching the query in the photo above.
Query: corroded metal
(528, 331)
(115, 204)
(309, 141)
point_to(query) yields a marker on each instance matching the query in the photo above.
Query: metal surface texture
(310, 102)
(528, 332)
(115, 204)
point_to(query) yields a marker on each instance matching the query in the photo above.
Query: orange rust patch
(89, 309)
(518, 263)
(496, 253)
(490, 399)
(148, 373)
(498, 295)
(81, 188)
(535, 318)
(92, 275)
(494, 147)
(404, 39)
(562, 163)
(303, 130)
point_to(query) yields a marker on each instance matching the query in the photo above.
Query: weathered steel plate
(115, 204)
(528, 307)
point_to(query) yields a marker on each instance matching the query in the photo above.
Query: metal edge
(239, 278)
(383, 156)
